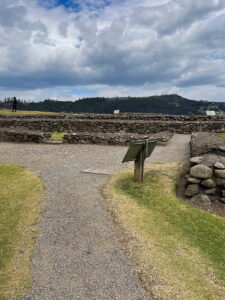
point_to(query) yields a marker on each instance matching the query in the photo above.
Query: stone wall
(112, 126)
(205, 143)
(123, 116)
(206, 185)
(121, 138)
(23, 135)
(205, 180)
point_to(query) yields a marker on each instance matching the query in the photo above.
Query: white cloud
(125, 47)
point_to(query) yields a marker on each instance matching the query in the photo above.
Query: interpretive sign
(138, 151)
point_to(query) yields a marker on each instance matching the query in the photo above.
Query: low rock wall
(205, 181)
(22, 136)
(113, 126)
(122, 116)
(206, 185)
(113, 138)
(207, 142)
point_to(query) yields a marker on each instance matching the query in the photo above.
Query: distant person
(14, 104)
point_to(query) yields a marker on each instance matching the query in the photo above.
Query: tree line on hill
(164, 104)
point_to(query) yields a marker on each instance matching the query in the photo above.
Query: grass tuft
(222, 136)
(57, 136)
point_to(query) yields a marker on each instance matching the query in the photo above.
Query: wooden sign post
(139, 166)
(138, 151)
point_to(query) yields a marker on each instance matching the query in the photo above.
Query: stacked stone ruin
(205, 184)
(104, 125)
(23, 136)
(205, 181)
(84, 129)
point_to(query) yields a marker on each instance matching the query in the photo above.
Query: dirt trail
(77, 254)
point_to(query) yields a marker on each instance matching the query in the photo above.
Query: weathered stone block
(219, 173)
(201, 199)
(196, 159)
(220, 182)
(218, 165)
(210, 191)
(191, 190)
(208, 183)
(201, 171)
(193, 180)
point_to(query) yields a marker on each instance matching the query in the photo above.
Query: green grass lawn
(24, 112)
(21, 194)
(183, 247)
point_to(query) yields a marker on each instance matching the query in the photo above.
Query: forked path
(77, 254)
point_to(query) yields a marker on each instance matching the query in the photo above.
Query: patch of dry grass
(57, 136)
(24, 112)
(177, 250)
(21, 195)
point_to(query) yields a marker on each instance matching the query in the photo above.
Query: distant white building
(210, 113)
(116, 111)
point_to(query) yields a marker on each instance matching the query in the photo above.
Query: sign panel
(136, 146)
(150, 146)
(132, 152)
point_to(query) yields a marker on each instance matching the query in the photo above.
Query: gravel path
(77, 254)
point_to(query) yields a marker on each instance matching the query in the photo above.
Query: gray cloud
(63, 28)
(128, 43)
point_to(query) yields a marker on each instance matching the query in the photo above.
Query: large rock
(193, 180)
(205, 143)
(220, 173)
(208, 183)
(218, 165)
(196, 159)
(201, 199)
(220, 182)
(210, 191)
(191, 190)
(201, 171)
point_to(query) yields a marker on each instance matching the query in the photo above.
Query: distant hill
(165, 104)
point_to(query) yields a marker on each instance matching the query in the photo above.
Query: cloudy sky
(69, 49)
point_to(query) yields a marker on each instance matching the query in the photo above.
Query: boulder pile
(205, 184)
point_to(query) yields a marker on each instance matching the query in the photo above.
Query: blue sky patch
(75, 5)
